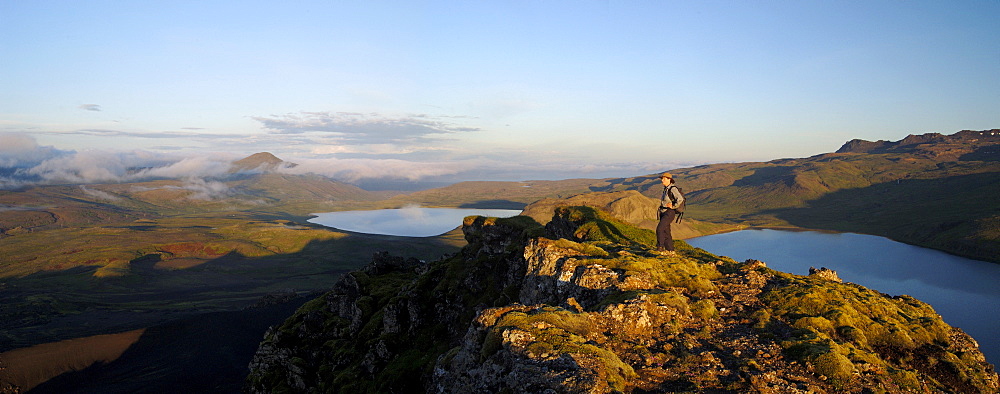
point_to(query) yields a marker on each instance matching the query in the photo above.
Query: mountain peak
(264, 161)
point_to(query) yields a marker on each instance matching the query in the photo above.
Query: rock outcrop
(594, 310)
(825, 273)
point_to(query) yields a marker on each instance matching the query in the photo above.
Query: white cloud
(359, 128)
(90, 107)
(83, 167)
(99, 194)
(202, 189)
(29, 163)
(351, 170)
(190, 167)
(22, 150)
(206, 190)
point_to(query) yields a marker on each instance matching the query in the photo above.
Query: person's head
(666, 178)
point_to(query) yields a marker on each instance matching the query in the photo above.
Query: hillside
(584, 305)
(932, 190)
(503, 195)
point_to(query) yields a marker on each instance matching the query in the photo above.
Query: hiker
(671, 200)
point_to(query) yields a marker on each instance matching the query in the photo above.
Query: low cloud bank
(23, 163)
(353, 170)
(365, 128)
(201, 189)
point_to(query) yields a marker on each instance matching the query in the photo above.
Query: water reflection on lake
(965, 292)
(407, 222)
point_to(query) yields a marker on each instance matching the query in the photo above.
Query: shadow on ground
(199, 337)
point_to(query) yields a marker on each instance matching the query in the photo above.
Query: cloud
(99, 194)
(83, 167)
(22, 150)
(202, 189)
(190, 167)
(28, 163)
(154, 135)
(359, 128)
(352, 170)
(206, 189)
(90, 107)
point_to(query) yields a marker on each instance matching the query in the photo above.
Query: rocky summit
(583, 305)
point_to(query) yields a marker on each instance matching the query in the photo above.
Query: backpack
(673, 201)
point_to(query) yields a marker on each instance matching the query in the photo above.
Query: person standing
(670, 200)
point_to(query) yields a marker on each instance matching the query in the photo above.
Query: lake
(406, 222)
(965, 292)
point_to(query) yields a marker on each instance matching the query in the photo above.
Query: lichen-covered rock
(593, 310)
(825, 273)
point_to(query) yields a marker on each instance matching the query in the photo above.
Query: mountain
(262, 161)
(583, 305)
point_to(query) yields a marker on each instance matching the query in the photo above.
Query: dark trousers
(664, 240)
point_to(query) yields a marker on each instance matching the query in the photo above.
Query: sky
(480, 90)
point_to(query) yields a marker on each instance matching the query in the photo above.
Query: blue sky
(450, 90)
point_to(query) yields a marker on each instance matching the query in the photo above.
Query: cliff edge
(583, 305)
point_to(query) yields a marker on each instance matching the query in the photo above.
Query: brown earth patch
(28, 367)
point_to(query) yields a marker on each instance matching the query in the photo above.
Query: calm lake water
(966, 293)
(406, 222)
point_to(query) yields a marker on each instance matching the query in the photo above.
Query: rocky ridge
(583, 305)
(963, 145)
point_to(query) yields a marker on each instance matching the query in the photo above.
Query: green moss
(558, 331)
(834, 365)
(704, 309)
(672, 272)
(586, 248)
(838, 325)
(851, 313)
